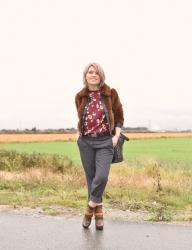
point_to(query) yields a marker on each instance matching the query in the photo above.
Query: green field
(155, 177)
(175, 152)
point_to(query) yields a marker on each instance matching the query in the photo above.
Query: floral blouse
(95, 117)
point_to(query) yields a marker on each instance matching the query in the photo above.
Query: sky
(143, 46)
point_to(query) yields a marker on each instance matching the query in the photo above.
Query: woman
(100, 120)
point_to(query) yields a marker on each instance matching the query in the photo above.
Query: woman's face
(92, 77)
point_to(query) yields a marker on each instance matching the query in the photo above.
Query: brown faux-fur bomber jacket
(111, 102)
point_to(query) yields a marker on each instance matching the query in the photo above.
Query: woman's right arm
(76, 104)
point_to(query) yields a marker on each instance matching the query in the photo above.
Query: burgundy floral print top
(95, 117)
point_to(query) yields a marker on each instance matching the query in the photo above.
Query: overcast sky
(145, 48)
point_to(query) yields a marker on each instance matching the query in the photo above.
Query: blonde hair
(99, 70)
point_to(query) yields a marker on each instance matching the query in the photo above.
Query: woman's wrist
(117, 132)
(117, 135)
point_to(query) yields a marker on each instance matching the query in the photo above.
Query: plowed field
(64, 137)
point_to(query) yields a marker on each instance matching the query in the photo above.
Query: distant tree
(34, 129)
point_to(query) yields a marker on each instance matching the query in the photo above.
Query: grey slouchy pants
(96, 156)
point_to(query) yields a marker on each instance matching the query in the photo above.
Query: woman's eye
(92, 72)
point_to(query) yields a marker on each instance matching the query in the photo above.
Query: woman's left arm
(118, 115)
(117, 109)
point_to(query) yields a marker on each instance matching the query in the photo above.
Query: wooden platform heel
(99, 217)
(88, 216)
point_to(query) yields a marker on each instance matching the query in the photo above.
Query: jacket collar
(105, 90)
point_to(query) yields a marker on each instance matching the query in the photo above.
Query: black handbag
(118, 149)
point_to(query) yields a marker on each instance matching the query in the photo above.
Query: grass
(43, 180)
(167, 150)
(172, 152)
(156, 176)
(67, 148)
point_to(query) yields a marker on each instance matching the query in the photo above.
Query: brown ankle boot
(88, 216)
(99, 217)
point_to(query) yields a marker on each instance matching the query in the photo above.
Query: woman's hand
(115, 139)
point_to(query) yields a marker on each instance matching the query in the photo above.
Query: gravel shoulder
(60, 211)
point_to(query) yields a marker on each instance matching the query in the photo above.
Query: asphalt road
(35, 232)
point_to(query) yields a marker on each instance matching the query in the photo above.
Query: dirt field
(63, 137)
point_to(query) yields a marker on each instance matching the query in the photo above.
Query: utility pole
(149, 125)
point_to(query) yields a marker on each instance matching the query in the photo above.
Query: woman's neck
(93, 87)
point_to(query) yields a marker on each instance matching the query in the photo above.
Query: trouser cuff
(95, 199)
